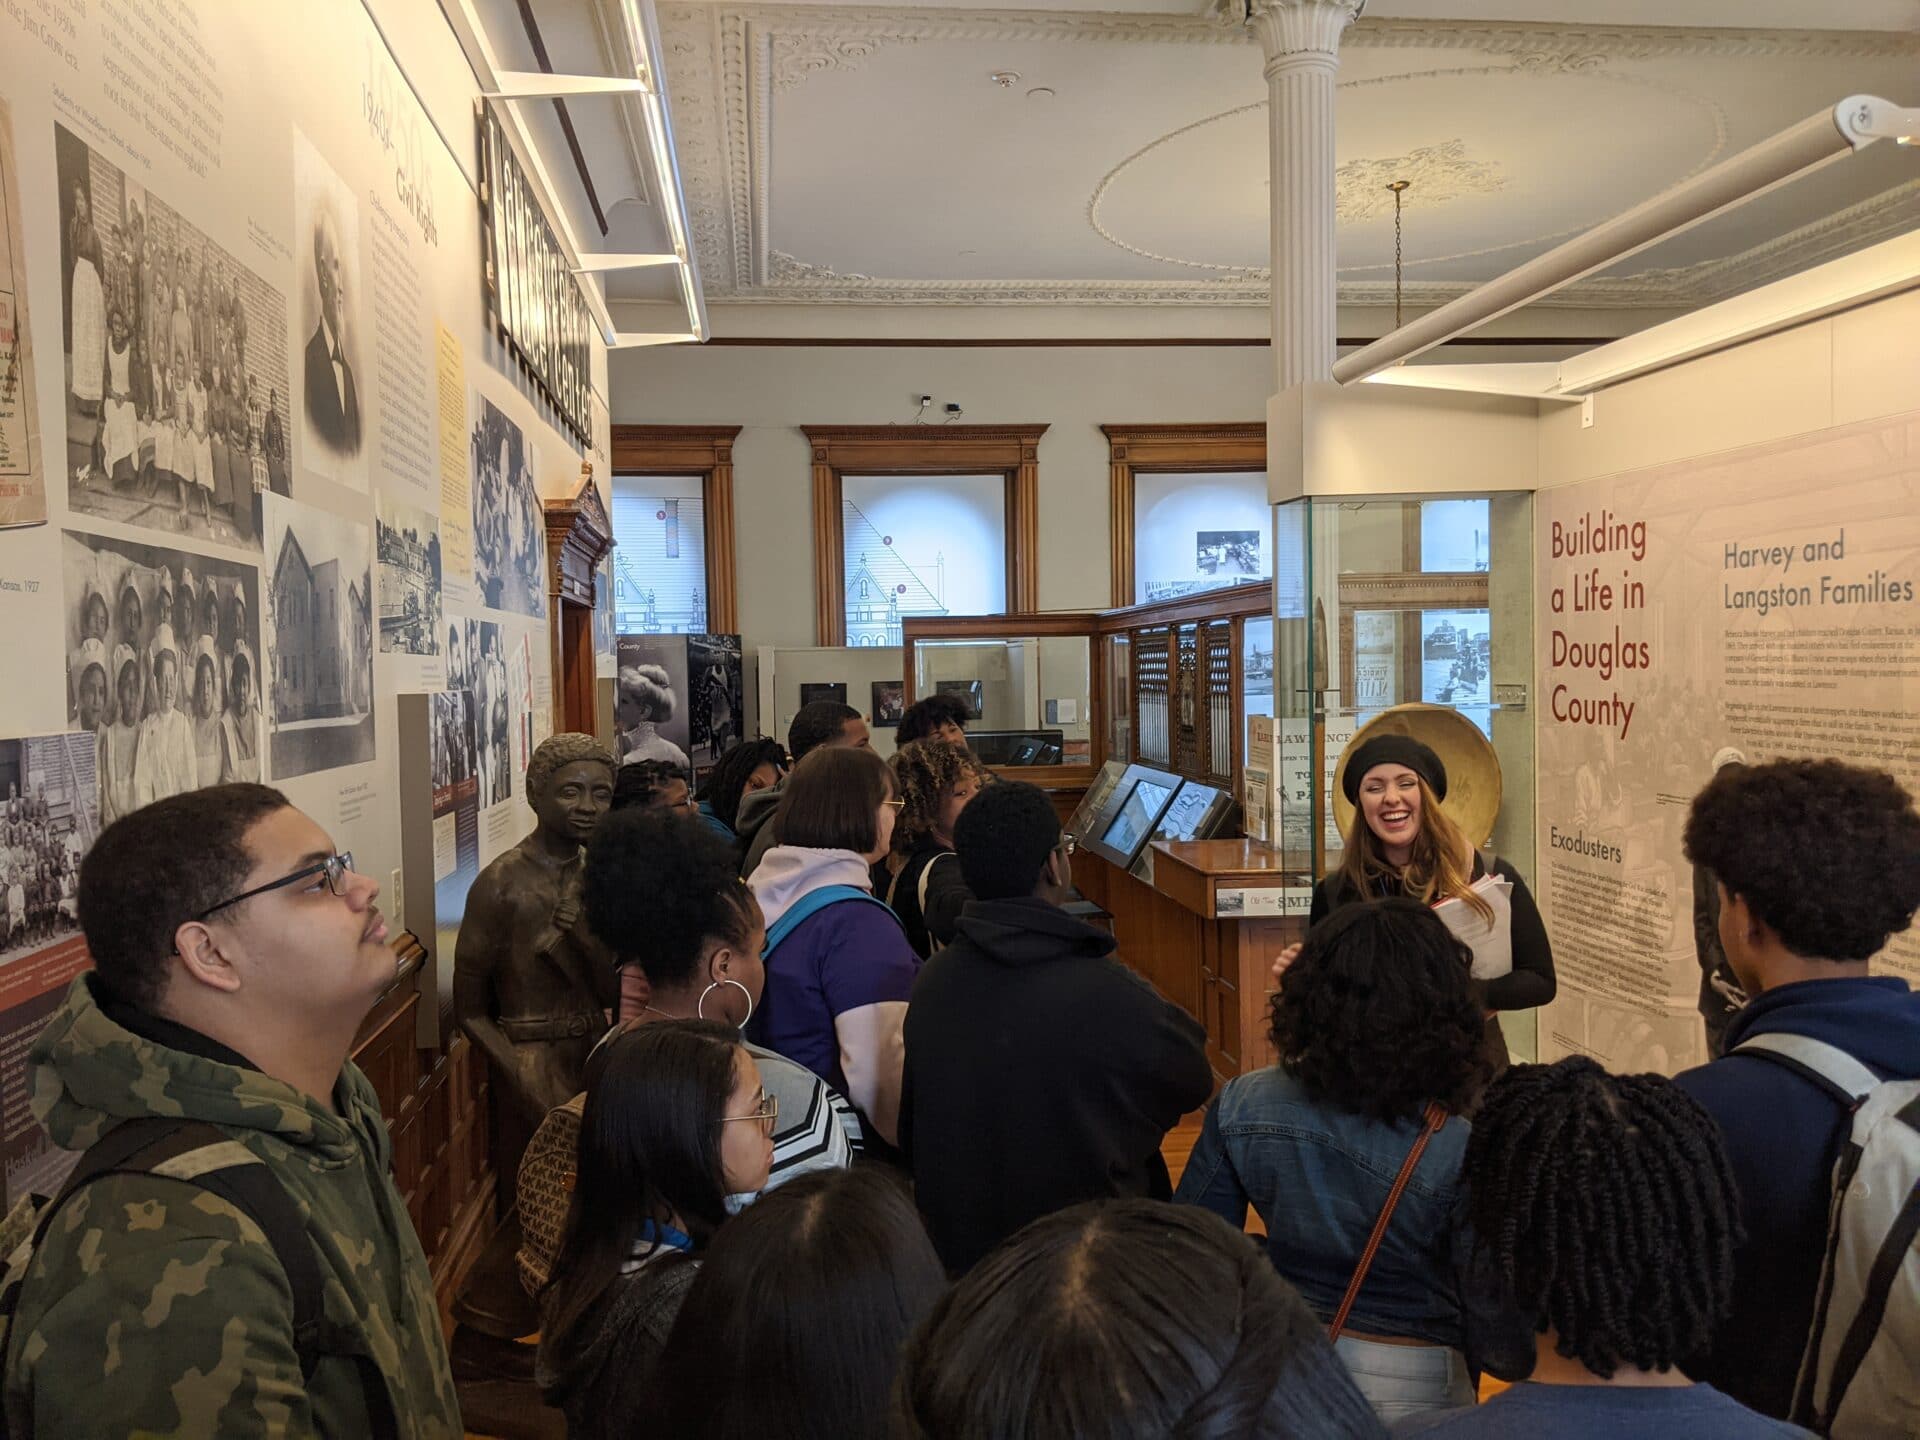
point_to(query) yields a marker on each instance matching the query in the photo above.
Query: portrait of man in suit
(333, 407)
(334, 425)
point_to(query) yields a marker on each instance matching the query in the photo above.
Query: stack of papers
(1491, 941)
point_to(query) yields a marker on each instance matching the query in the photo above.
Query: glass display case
(1382, 601)
(1167, 684)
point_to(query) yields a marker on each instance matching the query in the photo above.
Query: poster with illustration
(23, 488)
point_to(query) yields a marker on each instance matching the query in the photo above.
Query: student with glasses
(654, 785)
(676, 1135)
(236, 954)
(697, 931)
(1040, 1072)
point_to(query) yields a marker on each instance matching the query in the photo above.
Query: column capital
(1303, 28)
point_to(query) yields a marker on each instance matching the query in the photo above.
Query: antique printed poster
(23, 493)
(49, 816)
(1751, 605)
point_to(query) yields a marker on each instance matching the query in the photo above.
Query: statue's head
(570, 784)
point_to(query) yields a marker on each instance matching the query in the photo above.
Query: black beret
(1394, 750)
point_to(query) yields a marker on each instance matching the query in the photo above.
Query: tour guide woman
(1401, 841)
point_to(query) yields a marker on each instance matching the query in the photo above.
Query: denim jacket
(1318, 1176)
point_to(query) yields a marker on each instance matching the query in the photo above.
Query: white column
(1301, 40)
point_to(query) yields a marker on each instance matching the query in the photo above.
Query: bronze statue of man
(531, 986)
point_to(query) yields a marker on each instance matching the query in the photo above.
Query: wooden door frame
(705, 451)
(1223, 447)
(841, 450)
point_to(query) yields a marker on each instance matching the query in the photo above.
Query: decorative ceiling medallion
(1437, 174)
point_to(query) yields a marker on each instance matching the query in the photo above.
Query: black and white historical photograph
(509, 531)
(1227, 552)
(49, 814)
(162, 668)
(483, 670)
(333, 383)
(407, 546)
(320, 630)
(717, 695)
(455, 760)
(812, 690)
(889, 702)
(650, 700)
(177, 399)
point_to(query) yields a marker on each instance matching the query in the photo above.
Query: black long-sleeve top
(1531, 982)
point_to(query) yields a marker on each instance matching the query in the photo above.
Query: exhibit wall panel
(1754, 603)
(263, 373)
(772, 390)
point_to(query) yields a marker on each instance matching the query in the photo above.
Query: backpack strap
(811, 904)
(1827, 1066)
(172, 1148)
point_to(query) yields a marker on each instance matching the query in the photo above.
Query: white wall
(773, 390)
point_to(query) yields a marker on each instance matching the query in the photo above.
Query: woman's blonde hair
(923, 772)
(1440, 867)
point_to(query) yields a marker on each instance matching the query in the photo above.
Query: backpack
(811, 904)
(934, 944)
(170, 1147)
(1859, 1377)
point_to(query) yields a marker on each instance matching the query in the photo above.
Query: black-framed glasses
(334, 867)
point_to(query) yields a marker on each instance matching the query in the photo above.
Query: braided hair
(1136, 1319)
(1608, 1208)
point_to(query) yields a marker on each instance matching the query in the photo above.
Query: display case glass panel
(1027, 685)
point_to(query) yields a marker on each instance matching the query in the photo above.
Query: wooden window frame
(1228, 447)
(705, 451)
(842, 450)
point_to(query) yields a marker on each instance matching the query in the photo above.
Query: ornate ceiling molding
(1436, 174)
(725, 63)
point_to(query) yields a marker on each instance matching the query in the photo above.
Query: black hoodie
(1039, 1073)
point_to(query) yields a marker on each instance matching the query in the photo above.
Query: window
(921, 520)
(659, 555)
(921, 545)
(673, 492)
(1199, 532)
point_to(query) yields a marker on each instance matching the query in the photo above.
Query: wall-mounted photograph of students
(163, 668)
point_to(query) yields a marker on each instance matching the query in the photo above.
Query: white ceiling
(863, 155)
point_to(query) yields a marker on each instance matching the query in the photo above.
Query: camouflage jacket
(153, 1307)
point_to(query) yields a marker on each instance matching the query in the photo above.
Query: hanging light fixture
(1399, 188)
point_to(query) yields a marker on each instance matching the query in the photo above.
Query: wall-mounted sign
(531, 294)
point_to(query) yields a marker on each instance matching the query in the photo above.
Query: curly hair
(556, 752)
(636, 785)
(1379, 1013)
(1608, 1208)
(1827, 855)
(1137, 1319)
(661, 893)
(923, 717)
(923, 773)
(726, 783)
(648, 688)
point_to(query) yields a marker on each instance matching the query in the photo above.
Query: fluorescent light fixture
(1531, 379)
(1821, 138)
(538, 85)
(1880, 270)
(642, 34)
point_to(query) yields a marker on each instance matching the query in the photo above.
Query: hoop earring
(700, 1005)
